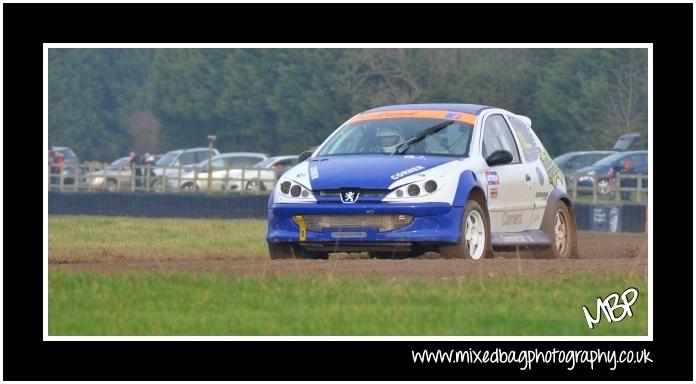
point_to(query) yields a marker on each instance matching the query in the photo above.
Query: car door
(507, 189)
(538, 183)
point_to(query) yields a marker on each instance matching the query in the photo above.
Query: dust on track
(600, 254)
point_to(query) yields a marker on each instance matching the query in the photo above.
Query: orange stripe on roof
(415, 114)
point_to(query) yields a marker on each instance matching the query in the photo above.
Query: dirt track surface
(600, 253)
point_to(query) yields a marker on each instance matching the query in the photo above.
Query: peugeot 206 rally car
(458, 179)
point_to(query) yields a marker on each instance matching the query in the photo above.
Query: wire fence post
(617, 197)
(639, 189)
(594, 188)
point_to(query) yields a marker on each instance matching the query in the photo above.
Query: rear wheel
(111, 185)
(475, 242)
(562, 233)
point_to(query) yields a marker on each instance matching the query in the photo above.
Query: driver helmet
(387, 139)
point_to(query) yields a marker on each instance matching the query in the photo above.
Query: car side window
(218, 164)
(497, 136)
(201, 155)
(188, 158)
(528, 143)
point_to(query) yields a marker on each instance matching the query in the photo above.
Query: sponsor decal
(415, 114)
(555, 174)
(494, 192)
(314, 172)
(542, 195)
(540, 175)
(349, 197)
(512, 219)
(492, 178)
(407, 172)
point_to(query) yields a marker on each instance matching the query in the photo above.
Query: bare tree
(379, 76)
(625, 108)
(146, 131)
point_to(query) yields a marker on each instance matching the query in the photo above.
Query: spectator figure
(135, 167)
(147, 161)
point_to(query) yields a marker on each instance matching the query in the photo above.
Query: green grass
(100, 238)
(183, 304)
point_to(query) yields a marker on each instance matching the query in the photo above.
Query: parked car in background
(115, 176)
(228, 170)
(168, 165)
(572, 161)
(63, 160)
(631, 162)
(278, 163)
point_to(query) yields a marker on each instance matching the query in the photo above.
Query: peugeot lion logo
(349, 197)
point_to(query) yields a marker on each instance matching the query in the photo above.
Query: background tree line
(103, 102)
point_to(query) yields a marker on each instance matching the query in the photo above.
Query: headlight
(291, 191)
(416, 189)
(96, 180)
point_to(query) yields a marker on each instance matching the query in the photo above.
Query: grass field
(159, 303)
(101, 238)
(181, 304)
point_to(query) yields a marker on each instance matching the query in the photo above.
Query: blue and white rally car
(458, 179)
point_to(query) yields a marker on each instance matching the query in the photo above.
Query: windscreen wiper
(420, 136)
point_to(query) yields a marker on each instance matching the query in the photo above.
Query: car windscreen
(609, 160)
(167, 159)
(241, 161)
(118, 163)
(264, 164)
(382, 137)
(562, 159)
(68, 153)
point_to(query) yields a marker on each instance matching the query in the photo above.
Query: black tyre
(475, 242)
(111, 185)
(562, 232)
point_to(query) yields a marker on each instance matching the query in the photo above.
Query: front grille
(363, 192)
(382, 223)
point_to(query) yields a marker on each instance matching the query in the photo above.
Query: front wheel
(475, 242)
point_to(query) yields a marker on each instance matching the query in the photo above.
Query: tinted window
(497, 136)
(639, 160)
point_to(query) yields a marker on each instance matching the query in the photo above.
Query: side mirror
(499, 157)
(304, 156)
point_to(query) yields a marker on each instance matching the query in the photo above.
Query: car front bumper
(432, 223)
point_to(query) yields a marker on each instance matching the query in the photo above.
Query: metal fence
(620, 189)
(99, 177)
